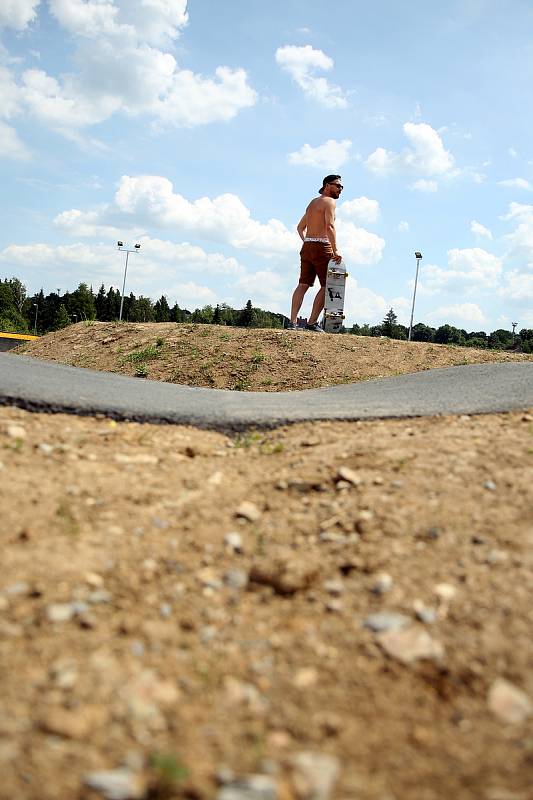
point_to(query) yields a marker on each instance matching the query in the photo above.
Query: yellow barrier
(17, 336)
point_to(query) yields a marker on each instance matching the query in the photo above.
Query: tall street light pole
(418, 257)
(35, 323)
(120, 246)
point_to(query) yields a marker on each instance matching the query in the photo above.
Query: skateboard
(334, 300)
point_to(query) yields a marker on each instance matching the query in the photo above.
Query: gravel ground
(328, 611)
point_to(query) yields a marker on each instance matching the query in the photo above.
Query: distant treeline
(20, 313)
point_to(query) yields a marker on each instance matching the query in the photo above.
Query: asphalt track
(474, 389)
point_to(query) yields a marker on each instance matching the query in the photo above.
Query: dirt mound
(245, 359)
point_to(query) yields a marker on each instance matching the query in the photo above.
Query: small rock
(386, 621)
(209, 578)
(59, 612)
(426, 615)
(496, 557)
(285, 572)
(46, 449)
(335, 587)
(445, 592)
(72, 724)
(382, 584)
(349, 475)
(18, 588)
(490, 485)
(165, 610)
(118, 784)
(64, 674)
(248, 511)
(137, 458)
(239, 693)
(332, 536)
(233, 542)
(16, 432)
(314, 775)
(236, 578)
(334, 605)
(94, 580)
(100, 596)
(305, 678)
(410, 645)
(508, 702)
(251, 787)
(160, 524)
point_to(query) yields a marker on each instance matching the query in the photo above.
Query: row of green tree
(40, 313)
(500, 339)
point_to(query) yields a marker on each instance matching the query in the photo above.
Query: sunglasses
(339, 185)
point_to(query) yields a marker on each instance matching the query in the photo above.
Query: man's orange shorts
(315, 257)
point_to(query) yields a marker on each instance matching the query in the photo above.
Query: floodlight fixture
(126, 250)
(418, 256)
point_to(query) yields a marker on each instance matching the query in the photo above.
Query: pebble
(137, 458)
(508, 702)
(46, 449)
(334, 605)
(63, 612)
(305, 678)
(251, 787)
(490, 485)
(209, 578)
(349, 475)
(314, 775)
(334, 586)
(248, 511)
(386, 621)
(18, 588)
(285, 572)
(16, 432)
(410, 644)
(165, 610)
(332, 536)
(445, 591)
(100, 596)
(233, 542)
(117, 784)
(382, 584)
(496, 557)
(236, 578)
(426, 615)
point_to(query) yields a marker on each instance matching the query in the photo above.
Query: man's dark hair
(328, 179)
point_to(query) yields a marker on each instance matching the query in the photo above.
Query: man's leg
(318, 305)
(297, 300)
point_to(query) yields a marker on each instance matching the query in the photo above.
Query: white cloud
(423, 185)
(521, 239)
(516, 183)
(425, 155)
(357, 245)
(361, 209)
(457, 314)
(480, 230)
(512, 152)
(468, 269)
(123, 66)
(17, 13)
(403, 226)
(363, 305)
(11, 146)
(150, 201)
(518, 287)
(330, 155)
(302, 63)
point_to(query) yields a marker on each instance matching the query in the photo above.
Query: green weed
(141, 371)
(148, 354)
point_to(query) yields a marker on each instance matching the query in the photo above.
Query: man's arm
(330, 227)
(302, 227)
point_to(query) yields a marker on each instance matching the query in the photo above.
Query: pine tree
(389, 323)
(246, 317)
(62, 318)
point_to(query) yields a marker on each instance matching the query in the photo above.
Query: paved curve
(475, 389)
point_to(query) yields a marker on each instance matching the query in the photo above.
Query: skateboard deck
(334, 300)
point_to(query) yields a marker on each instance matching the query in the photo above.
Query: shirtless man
(317, 231)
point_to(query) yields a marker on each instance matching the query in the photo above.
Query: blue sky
(202, 129)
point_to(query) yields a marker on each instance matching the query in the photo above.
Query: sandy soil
(151, 622)
(244, 359)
